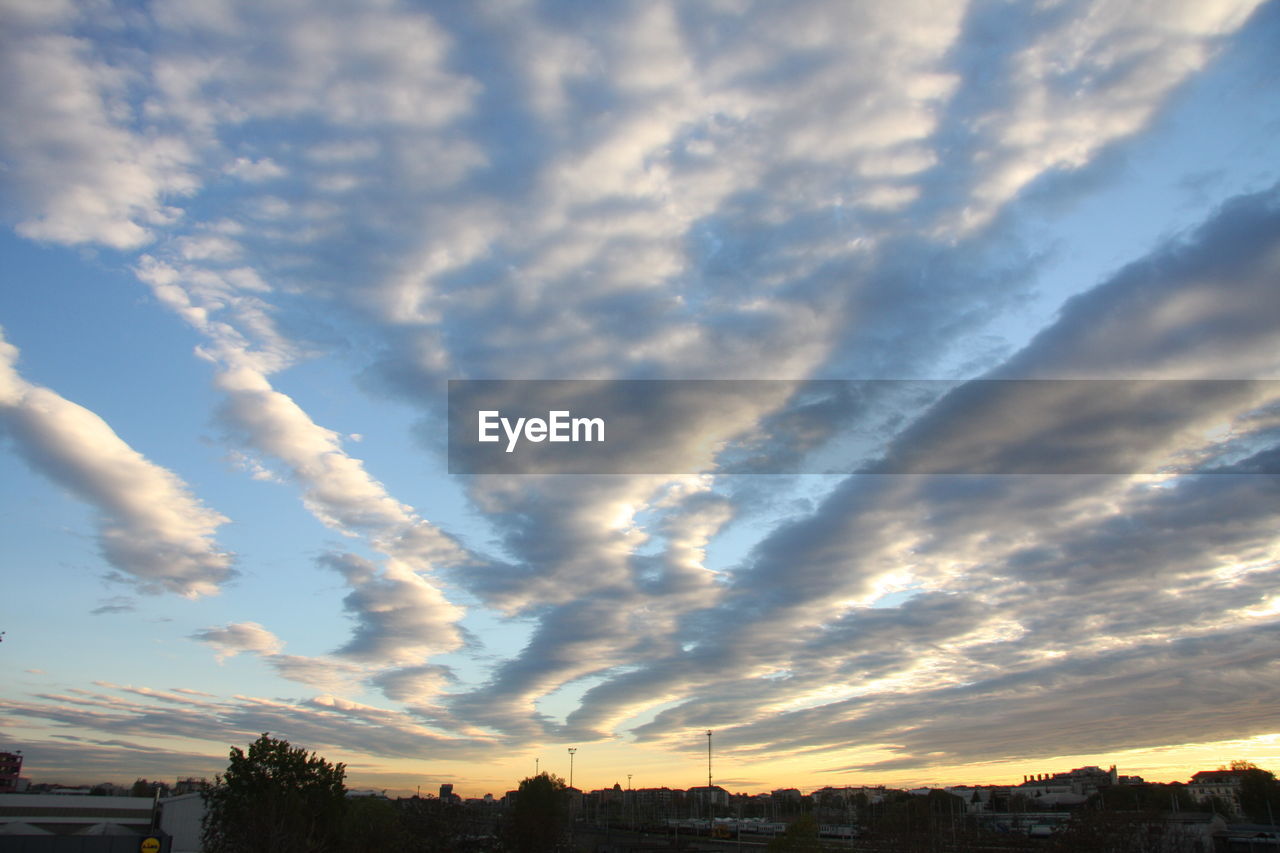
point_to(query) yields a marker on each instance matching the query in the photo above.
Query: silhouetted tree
(911, 813)
(1258, 791)
(801, 836)
(435, 826)
(1123, 832)
(1150, 797)
(373, 825)
(539, 820)
(277, 798)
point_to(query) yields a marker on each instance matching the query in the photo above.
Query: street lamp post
(572, 750)
(710, 803)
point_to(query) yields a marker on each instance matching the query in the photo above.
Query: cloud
(400, 616)
(79, 759)
(327, 723)
(247, 169)
(86, 175)
(396, 625)
(1196, 308)
(399, 612)
(152, 528)
(252, 638)
(1063, 601)
(233, 639)
(355, 66)
(322, 673)
(661, 191)
(115, 604)
(413, 684)
(1093, 73)
(336, 487)
(1117, 700)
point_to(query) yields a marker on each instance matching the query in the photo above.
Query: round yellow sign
(150, 845)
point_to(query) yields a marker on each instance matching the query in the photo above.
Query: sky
(248, 244)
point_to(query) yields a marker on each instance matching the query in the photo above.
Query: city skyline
(1032, 778)
(247, 247)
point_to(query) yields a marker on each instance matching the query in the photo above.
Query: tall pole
(708, 762)
(572, 750)
(536, 762)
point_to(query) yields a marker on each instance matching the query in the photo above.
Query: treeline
(280, 798)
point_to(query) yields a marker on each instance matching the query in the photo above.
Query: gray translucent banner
(990, 426)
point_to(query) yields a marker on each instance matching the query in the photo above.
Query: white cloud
(1091, 77)
(235, 638)
(356, 66)
(152, 528)
(254, 171)
(401, 617)
(77, 171)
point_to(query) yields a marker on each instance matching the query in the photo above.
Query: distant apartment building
(1073, 787)
(608, 795)
(713, 794)
(1223, 785)
(651, 803)
(189, 786)
(977, 798)
(849, 793)
(656, 797)
(1082, 781)
(10, 771)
